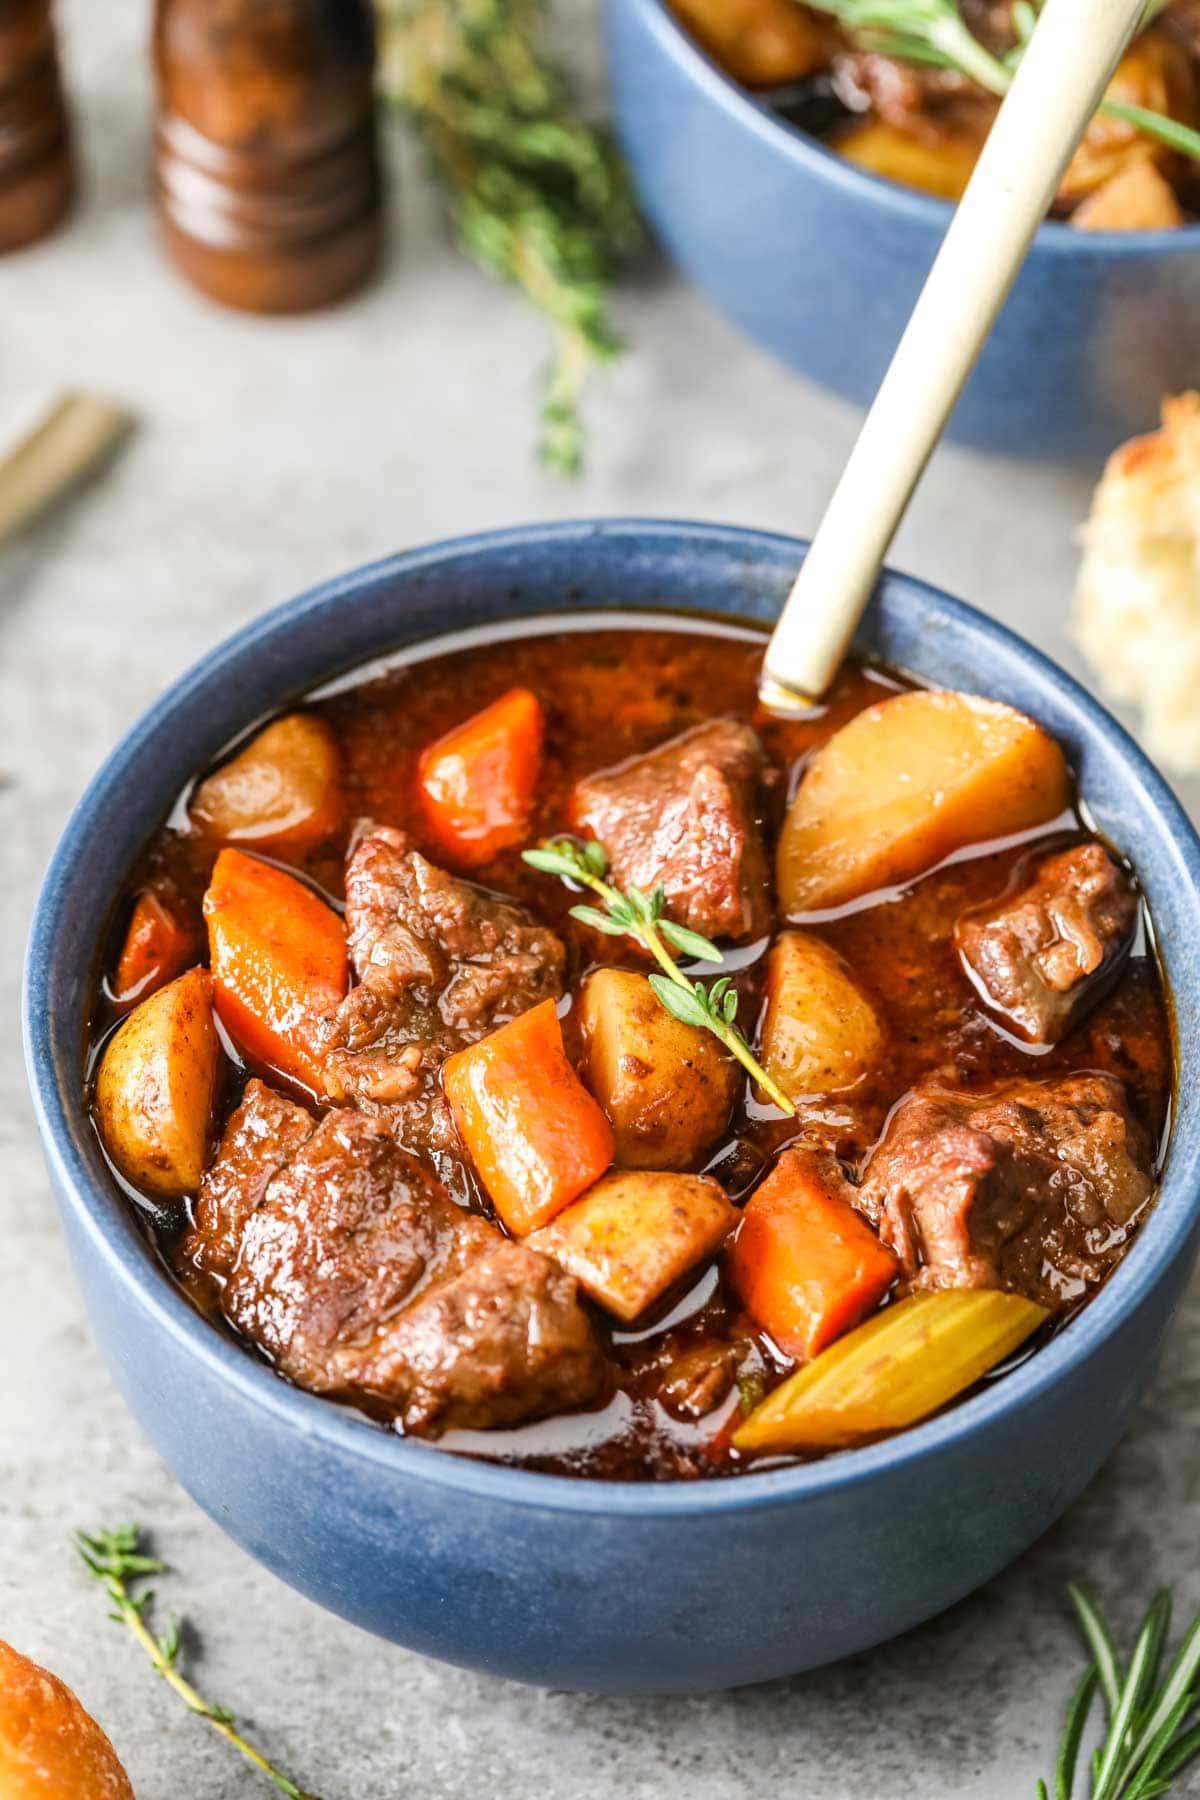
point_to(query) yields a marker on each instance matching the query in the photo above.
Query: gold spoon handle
(1057, 87)
(73, 438)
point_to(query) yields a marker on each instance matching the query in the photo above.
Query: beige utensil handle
(74, 437)
(1061, 79)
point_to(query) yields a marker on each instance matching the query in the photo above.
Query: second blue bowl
(822, 262)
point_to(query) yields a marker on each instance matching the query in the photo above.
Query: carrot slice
(804, 1264)
(278, 961)
(535, 1135)
(157, 947)
(478, 781)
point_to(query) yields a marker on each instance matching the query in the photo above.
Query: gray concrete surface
(273, 454)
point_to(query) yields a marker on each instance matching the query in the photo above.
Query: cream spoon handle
(1057, 87)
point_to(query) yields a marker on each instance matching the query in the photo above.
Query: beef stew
(434, 1146)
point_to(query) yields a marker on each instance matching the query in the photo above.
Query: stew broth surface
(610, 692)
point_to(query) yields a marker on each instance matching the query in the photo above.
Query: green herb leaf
(683, 1003)
(552, 862)
(690, 942)
(591, 915)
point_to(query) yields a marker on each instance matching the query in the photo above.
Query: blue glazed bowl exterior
(822, 262)
(602, 1586)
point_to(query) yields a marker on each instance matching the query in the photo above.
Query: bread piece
(1137, 603)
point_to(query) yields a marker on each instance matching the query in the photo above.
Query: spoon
(1058, 85)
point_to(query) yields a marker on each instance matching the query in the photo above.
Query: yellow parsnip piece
(633, 1236)
(821, 1034)
(907, 782)
(157, 1086)
(902, 1365)
(282, 792)
(667, 1087)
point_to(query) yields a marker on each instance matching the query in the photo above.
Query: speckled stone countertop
(272, 455)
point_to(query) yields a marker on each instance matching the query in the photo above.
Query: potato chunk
(282, 792)
(821, 1034)
(907, 782)
(761, 42)
(1136, 199)
(940, 164)
(632, 1236)
(667, 1087)
(157, 1085)
(1155, 72)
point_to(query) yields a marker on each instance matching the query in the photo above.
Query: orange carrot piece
(157, 947)
(536, 1136)
(278, 961)
(478, 781)
(804, 1263)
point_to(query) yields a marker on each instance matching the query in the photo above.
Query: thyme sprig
(641, 916)
(117, 1559)
(536, 196)
(1152, 1730)
(934, 32)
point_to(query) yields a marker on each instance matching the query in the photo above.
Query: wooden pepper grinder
(37, 177)
(267, 157)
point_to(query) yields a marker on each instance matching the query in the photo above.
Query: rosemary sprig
(639, 915)
(934, 32)
(1151, 1734)
(536, 196)
(116, 1559)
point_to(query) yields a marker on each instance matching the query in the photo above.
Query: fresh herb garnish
(639, 915)
(1152, 1734)
(117, 1559)
(536, 196)
(934, 32)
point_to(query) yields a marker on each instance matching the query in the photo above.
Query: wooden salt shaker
(267, 159)
(37, 176)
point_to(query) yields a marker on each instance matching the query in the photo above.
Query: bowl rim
(146, 1284)
(805, 151)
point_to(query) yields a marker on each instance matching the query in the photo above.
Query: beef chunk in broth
(686, 815)
(1026, 1185)
(439, 961)
(1042, 955)
(359, 1276)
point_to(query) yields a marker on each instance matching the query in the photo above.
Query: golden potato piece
(821, 1034)
(940, 164)
(282, 792)
(905, 783)
(667, 1087)
(50, 1748)
(157, 1085)
(1155, 73)
(1136, 199)
(633, 1236)
(761, 42)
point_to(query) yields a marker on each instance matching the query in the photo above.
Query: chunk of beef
(439, 961)
(1041, 956)
(686, 815)
(359, 1276)
(1030, 1186)
(262, 1134)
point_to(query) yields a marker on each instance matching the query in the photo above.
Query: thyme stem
(116, 1559)
(640, 916)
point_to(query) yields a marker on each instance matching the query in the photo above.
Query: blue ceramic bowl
(822, 262)
(593, 1585)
